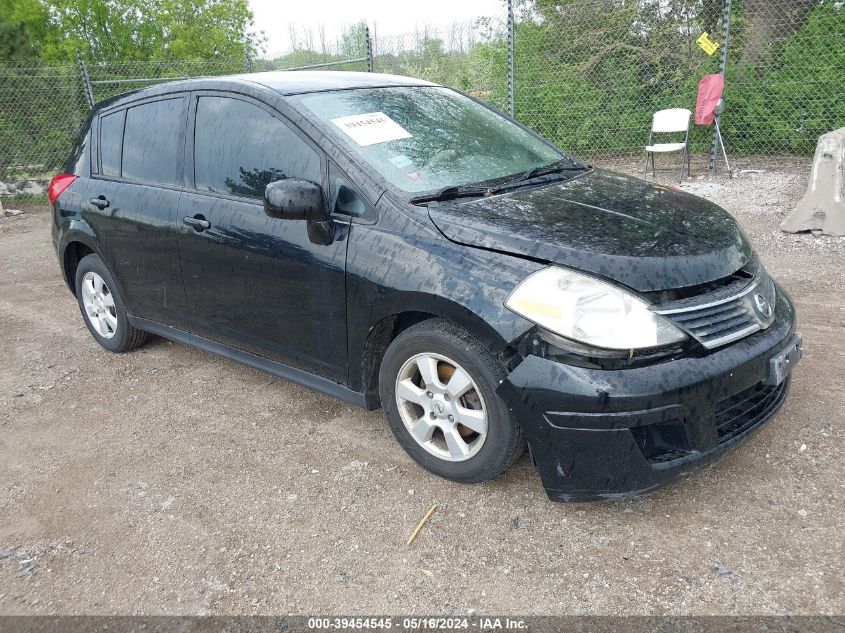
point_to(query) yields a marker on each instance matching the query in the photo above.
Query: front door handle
(100, 202)
(198, 222)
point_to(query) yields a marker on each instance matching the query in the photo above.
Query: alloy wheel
(441, 406)
(98, 301)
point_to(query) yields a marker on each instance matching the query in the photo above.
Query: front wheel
(437, 386)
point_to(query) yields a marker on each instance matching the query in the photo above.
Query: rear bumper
(597, 434)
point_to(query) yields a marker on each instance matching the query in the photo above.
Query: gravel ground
(170, 481)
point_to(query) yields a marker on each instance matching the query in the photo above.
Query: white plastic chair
(671, 121)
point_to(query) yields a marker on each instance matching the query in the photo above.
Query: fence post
(511, 38)
(369, 49)
(86, 80)
(723, 62)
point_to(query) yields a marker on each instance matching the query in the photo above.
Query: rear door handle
(198, 222)
(100, 202)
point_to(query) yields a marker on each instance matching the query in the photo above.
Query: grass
(12, 202)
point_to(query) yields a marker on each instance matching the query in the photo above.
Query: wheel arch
(391, 320)
(77, 245)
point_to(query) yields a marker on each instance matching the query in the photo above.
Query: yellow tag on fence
(707, 45)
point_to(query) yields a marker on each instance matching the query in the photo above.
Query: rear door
(132, 202)
(269, 286)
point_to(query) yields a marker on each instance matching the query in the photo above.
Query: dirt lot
(170, 481)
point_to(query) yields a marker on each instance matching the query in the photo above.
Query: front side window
(153, 142)
(239, 148)
(425, 138)
(111, 141)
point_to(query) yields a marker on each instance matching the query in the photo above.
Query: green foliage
(309, 50)
(479, 68)
(590, 77)
(794, 93)
(589, 73)
(42, 105)
(127, 29)
(353, 43)
(300, 58)
(23, 29)
(486, 71)
(41, 112)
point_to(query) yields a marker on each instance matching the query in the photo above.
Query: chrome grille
(719, 324)
(716, 321)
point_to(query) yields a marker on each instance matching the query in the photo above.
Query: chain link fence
(43, 106)
(590, 74)
(587, 74)
(472, 57)
(785, 81)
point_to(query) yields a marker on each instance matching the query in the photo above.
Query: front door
(255, 282)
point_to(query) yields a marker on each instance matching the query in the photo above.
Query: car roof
(284, 83)
(291, 82)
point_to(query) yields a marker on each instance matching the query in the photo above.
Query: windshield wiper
(451, 192)
(566, 164)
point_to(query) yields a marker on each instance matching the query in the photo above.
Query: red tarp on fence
(709, 92)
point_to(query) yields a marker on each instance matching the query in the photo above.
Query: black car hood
(644, 236)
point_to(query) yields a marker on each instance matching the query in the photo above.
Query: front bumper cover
(609, 434)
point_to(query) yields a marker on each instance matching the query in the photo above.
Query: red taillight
(59, 183)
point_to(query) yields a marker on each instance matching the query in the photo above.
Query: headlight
(590, 311)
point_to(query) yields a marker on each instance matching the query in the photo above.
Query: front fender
(391, 272)
(452, 309)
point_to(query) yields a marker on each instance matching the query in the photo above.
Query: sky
(389, 17)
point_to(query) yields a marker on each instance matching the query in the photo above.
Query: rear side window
(153, 142)
(239, 148)
(79, 162)
(111, 140)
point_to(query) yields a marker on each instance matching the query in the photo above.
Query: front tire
(102, 307)
(437, 386)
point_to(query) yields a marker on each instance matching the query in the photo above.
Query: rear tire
(452, 424)
(102, 307)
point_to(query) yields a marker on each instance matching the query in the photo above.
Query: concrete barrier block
(823, 206)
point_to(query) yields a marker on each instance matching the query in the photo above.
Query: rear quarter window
(153, 142)
(79, 161)
(111, 141)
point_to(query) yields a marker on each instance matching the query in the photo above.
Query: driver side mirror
(295, 199)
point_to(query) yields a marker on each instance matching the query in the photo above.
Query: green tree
(433, 62)
(353, 42)
(590, 74)
(149, 29)
(24, 29)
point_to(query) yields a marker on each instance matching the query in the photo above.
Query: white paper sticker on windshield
(400, 161)
(370, 128)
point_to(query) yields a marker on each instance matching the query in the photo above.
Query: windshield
(427, 138)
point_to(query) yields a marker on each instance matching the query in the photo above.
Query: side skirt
(307, 379)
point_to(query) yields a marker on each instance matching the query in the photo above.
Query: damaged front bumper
(608, 434)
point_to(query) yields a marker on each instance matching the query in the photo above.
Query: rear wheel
(102, 307)
(437, 385)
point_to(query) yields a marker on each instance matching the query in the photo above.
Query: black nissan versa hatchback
(398, 244)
